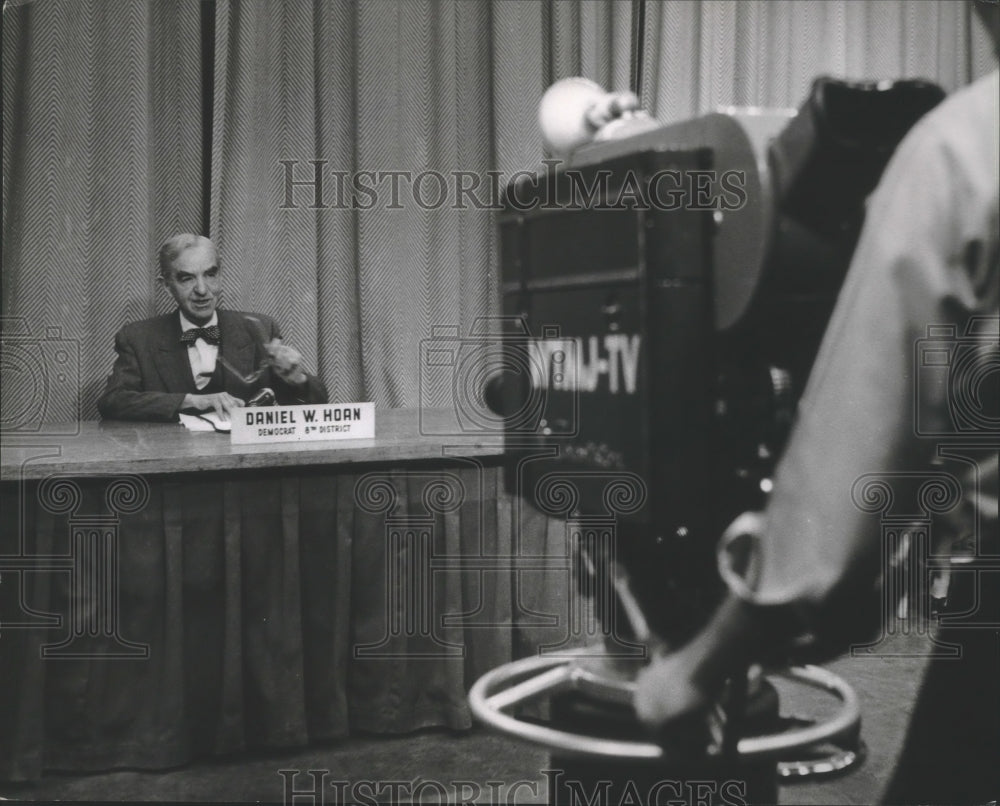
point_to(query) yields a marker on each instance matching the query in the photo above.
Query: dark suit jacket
(153, 372)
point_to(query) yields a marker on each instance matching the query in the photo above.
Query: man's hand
(223, 403)
(286, 362)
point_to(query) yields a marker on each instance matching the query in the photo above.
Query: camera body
(696, 284)
(41, 381)
(627, 280)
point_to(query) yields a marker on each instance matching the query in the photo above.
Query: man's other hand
(223, 403)
(286, 362)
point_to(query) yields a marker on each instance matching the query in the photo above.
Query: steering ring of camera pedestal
(503, 689)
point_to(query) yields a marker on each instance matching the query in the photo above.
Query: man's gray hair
(171, 249)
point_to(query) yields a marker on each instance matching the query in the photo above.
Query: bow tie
(209, 334)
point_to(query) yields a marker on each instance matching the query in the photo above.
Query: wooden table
(167, 595)
(108, 447)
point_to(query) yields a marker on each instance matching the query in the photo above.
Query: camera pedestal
(598, 745)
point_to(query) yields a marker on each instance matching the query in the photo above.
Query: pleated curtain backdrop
(102, 157)
(104, 147)
(430, 96)
(704, 54)
(126, 121)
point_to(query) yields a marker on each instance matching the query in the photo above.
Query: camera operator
(928, 255)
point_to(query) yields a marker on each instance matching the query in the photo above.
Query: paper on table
(209, 421)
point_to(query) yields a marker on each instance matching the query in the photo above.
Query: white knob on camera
(576, 111)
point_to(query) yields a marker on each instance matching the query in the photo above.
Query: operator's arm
(927, 256)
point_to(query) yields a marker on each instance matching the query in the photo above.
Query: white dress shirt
(201, 354)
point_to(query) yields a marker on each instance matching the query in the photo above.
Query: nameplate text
(310, 423)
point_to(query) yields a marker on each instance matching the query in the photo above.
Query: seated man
(199, 357)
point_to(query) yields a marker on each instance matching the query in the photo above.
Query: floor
(482, 767)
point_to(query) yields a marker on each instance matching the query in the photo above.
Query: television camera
(665, 292)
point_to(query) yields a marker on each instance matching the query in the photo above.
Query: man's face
(195, 283)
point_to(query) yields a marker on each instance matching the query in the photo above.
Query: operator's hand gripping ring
(503, 689)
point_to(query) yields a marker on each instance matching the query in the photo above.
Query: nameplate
(317, 422)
